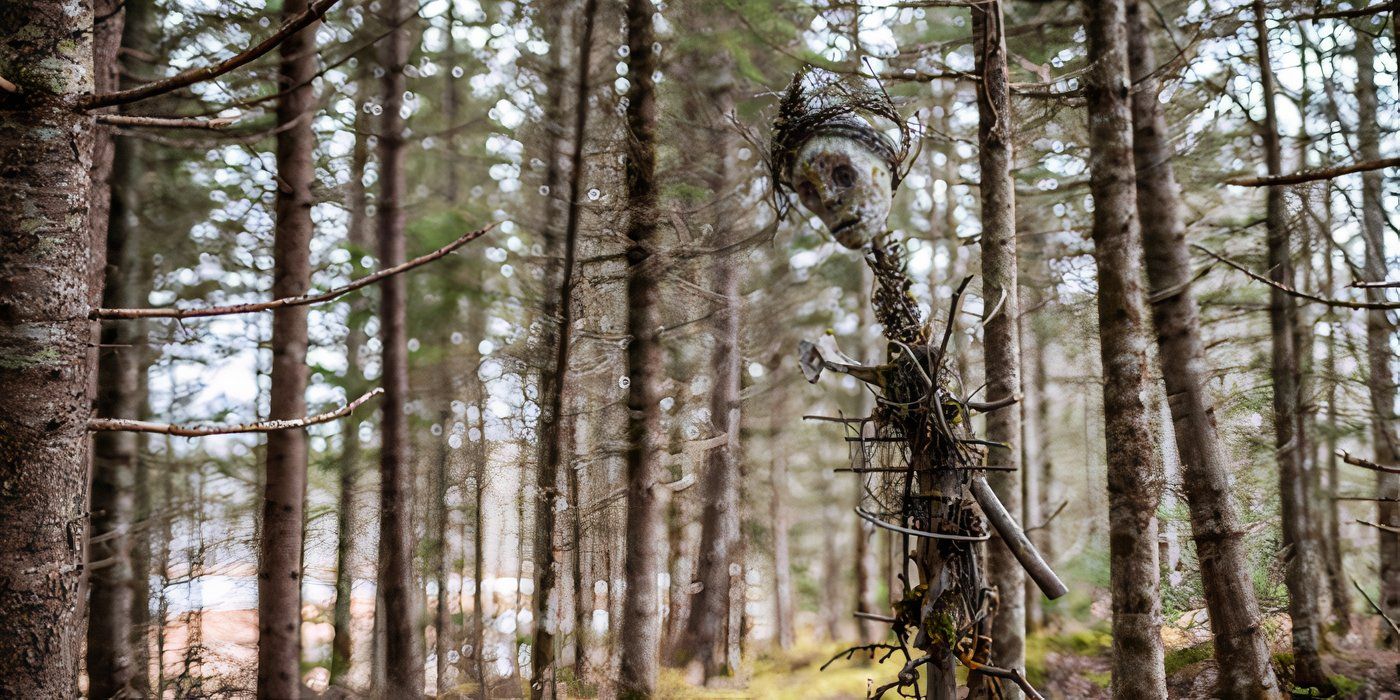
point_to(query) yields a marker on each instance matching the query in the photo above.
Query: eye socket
(843, 175)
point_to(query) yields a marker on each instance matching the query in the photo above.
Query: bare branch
(138, 426)
(186, 78)
(1339, 303)
(1383, 284)
(165, 122)
(1344, 14)
(1009, 674)
(1355, 461)
(1375, 607)
(1314, 174)
(1378, 526)
(1046, 523)
(302, 300)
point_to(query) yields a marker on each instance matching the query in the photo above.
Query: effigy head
(826, 151)
(846, 184)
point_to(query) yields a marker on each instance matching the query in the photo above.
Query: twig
(1342, 303)
(138, 426)
(1355, 461)
(165, 122)
(1383, 284)
(1314, 174)
(1009, 674)
(8, 86)
(1375, 607)
(297, 300)
(890, 649)
(1378, 526)
(313, 13)
(1343, 14)
(877, 618)
(1016, 540)
(1046, 523)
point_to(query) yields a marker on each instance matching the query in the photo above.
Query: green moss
(1099, 678)
(47, 356)
(1181, 658)
(1346, 687)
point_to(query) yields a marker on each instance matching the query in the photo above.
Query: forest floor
(1064, 665)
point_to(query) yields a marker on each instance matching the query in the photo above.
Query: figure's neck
(892, 298)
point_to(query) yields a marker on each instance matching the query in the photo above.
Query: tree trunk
(1341, 588)
(1001, 341)
(1134, 465)
(111, 638)
(45, 152)
(558, 336)
(709, 625)
(358, 238)
(284, 494)
(1240, 642)
(1032, 489)
(782, 560)
(403, 665)
(1299, 551)
(640, 630)
(1380, 332)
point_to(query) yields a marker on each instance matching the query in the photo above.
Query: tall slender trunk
(1134, 465)
(358, 238)
(1240, 642)
(46, 149)
(1380, 332)
(1299, 551)
(111, 639)
(284, 491)
(476, 396)
(1032, 488)
(1001, 341)
(641, 621)
(558, 318)
(1341, 591)
(403, 664)
(708, 626)
(782, 559)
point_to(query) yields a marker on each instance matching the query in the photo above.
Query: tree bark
(403, 662)
(1240, 642)
(111, 639)
(1299, 550)
(640, 630)
(1032, 457)
(1001, 339)
(284, 491)
(1379, 334)
(1134, 464)
(45, 153)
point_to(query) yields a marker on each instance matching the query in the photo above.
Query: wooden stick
(1314, 174)
(1366, 463)
(1383, 284)
(1377, 608)
(165, 122)
(186, 78)
(1016, 540)
(138, 426)
(1342, 303)
(293, 301)
(8, 86)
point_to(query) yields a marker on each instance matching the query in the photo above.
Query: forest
(993, 349)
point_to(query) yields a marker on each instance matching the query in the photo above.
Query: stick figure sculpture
(921, 469)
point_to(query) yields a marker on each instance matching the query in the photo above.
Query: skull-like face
(847, 185)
